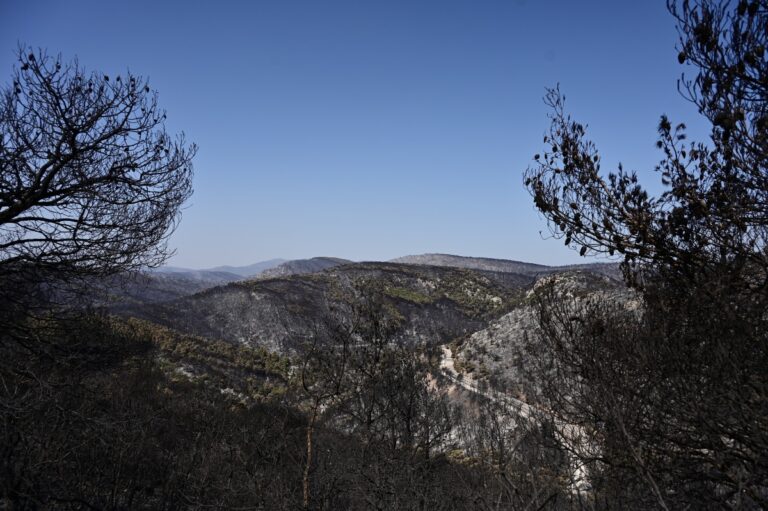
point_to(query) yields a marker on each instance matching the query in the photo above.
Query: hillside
(431, 304)
(155, 287)
(232, 357)
(504, 265)
(474, 263)
(170, 283)
(499, 356)
(302, 267)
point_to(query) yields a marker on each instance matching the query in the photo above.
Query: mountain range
(434, 298)
(467, 323)
(282, 267)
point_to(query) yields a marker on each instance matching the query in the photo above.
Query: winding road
(570, 435)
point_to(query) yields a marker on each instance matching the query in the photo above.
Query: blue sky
(373, 129)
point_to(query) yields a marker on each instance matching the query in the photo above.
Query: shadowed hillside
(431, 304)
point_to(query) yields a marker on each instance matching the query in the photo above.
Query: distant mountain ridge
(226, 272)
(302, 267)
(201, 275)
(504, 265)
(170, 282)
(430, 304)
(251, 269)
(283, 267)
(473, 263)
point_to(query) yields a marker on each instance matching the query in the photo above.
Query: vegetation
(109, 423)
(673, 394)
(90, 181)
(103, 426)
(408, 294)
(249, 372)
(649, 398)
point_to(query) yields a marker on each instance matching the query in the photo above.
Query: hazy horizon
(283, 260)
(372, 131)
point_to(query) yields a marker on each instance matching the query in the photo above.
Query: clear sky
(373, 129)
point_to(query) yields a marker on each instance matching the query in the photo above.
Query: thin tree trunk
(308, 464)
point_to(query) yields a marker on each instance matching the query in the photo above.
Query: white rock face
(498, 356)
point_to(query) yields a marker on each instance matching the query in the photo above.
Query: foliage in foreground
(94, 416)
(676, 393)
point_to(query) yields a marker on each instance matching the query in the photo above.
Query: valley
(317, 371)
(473, 318)
(479, 310)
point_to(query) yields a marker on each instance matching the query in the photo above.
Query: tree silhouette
(675, 387)
(713, 210)
(90, 181)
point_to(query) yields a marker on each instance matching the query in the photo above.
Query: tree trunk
(308, 464)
